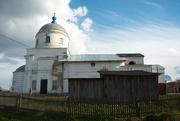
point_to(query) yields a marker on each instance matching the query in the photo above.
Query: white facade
(49, 65)
(39, 66)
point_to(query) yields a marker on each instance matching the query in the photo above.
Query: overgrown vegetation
(47, 116)
(54, 104)
(30, 116)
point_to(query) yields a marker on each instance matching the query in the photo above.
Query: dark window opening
(132, 63)
(43, 87)
(93, 64)
(47, 39)
(37, 41)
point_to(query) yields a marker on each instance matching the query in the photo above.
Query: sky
(150, 27)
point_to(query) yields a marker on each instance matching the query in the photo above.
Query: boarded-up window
(54, 85)
(34, 83)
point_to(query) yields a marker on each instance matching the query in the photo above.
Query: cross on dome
(54, 18)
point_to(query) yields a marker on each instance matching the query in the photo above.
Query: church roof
(20, 69)
(52, 27)
(94, 57)
(130, 55)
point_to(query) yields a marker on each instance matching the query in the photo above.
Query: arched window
(61, 40)
(93, 64)
(37, 41)
(132, 63)
(47, 39)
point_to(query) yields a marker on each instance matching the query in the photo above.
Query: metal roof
(94, 57)
(51, 27)
(128, 73)
(130, 55)
(20, 69)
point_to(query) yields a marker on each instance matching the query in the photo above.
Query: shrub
(166, 117)
(151, 118)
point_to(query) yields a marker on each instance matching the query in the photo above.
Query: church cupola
(52, 35)
(54, 18)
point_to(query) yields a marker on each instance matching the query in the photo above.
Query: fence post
(17, 103)
(20, 98)
(66, 106)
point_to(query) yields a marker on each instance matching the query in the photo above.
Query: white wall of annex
(85, 70)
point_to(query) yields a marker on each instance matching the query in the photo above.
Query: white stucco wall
(85, 70)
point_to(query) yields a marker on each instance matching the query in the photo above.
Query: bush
(151, 118)
(166, 117)
(160, 117)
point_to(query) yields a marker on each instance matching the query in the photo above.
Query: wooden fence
(88, 108)
(120, 109)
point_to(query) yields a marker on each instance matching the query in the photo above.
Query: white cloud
(153, 4)
(177, 69)
(174, 51)
(86, 24)
(80, 11)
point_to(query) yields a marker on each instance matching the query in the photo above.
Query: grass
(43, 105)
(44, 116)
(30, 116)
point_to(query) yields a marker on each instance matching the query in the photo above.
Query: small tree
(0, 89)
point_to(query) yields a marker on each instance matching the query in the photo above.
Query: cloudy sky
(150, 27)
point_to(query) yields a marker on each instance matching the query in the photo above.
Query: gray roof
(52, 26)
(94, 57)
(130, 55)
(20, 69)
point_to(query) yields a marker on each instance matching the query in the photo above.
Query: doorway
(43, 89)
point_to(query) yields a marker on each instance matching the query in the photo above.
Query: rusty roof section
(130, 55)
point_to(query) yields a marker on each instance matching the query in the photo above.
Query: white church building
(49, 65)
